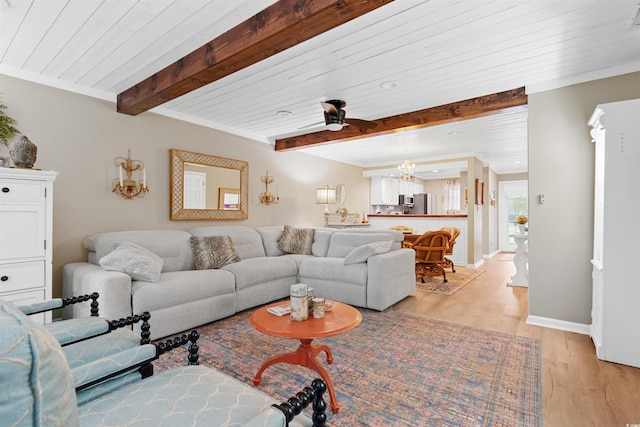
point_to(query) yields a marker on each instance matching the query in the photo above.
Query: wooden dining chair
(455, 232)
(430, 250)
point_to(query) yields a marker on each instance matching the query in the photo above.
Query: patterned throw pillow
(134, 260)
(296, 240)
(210, 252)
(362, 253)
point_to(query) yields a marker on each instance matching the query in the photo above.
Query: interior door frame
(506, 243)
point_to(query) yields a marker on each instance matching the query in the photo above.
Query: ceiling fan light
(334, 126)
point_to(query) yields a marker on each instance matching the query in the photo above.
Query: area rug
(455, 281)
(393, 370)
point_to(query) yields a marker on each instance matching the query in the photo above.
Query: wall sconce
(492, 199)
(128, 188)
(326, 196)
(267, 198)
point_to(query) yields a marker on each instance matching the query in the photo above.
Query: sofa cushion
(180, 287)
(256, 271)
(134, 260)
(186, 395)
(170, 245)
(246, 241)
(37, 388)
(344, 242)
(332, 269)
(296, 240)
(270, 236)
(362, 253)
(210, 252)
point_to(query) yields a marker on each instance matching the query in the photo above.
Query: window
(450, 195)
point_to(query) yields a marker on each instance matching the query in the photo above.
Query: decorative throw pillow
(362, 253)
(210, 252)
(134, 260)
(296, 240)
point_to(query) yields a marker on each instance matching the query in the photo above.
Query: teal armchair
(39, 389)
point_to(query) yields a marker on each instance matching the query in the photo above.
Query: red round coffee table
(341, 318)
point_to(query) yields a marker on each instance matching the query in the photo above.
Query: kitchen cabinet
(384, 190)
(409, 188)
(615, 325)
(26, 214)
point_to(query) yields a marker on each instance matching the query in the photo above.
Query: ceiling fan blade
(329, 108)
(312, 125)
(366, 124)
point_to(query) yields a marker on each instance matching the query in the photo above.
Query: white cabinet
(409, 188)
(384, 190)
(26, 214)
(615, 324)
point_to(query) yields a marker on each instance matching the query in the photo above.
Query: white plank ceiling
(433, 52)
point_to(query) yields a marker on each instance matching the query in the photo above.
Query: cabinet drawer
(22, 191)
(19, 276)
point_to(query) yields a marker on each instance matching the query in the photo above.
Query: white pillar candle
(144, 178)
(120, 172)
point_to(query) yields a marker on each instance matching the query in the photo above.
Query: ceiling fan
(335, 117)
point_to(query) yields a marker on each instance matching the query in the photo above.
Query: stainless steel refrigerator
(423, 204)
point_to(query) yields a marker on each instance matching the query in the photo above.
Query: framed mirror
(206, 187)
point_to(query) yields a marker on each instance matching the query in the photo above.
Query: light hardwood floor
(578, 389)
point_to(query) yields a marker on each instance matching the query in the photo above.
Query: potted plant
(7, 131)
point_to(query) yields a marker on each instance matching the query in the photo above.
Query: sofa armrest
(55, 303)
(84, 278)
(97, 371)
(391, 277)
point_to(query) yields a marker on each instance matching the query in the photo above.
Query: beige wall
(561, 163)
(490, 243)
(79, 137)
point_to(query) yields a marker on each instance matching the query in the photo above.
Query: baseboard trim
(562, 325)
(478, 264)
(492, 254)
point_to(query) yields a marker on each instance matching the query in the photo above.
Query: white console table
(521, 260)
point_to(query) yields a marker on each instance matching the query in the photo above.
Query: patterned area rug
(394, 370)
(455, 281)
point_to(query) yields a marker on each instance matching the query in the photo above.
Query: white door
(513, 201)
(195, 190)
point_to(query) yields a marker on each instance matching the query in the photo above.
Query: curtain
(451, 195)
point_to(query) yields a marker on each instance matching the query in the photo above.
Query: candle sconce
(267, 198)
(127, 187)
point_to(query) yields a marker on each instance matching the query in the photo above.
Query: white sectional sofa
(184, 298)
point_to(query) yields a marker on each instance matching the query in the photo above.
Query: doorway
(514, 201)
(195, 190)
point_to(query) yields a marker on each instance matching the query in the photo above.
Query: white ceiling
(435, 52)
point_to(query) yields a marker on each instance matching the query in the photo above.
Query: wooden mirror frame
(177, 211)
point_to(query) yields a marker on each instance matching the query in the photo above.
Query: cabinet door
(376, 190)
(22, 232)
(394, 191)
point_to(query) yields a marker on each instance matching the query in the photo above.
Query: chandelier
(406, 171)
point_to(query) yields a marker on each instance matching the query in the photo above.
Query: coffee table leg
(305, 355)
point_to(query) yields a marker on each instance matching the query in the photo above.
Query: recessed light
(387, 85)
(435, 171)
(517, 162)
(452, 133)
(284, 113)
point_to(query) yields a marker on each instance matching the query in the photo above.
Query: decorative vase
(23, 153)
(521, 228)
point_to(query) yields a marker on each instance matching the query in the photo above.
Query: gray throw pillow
(362, 253)
(134, 260)
(211, 252)
(296, 240)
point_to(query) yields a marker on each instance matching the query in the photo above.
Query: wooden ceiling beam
(462, 110)
(282, 25)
